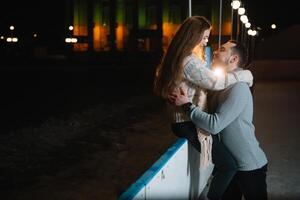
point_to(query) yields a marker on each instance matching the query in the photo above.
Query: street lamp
(235, 4)
(71, 40)
(190, 8)
(244, 19)
(248, 25)
(74, 40)
(240, 29)
(252, 32)
(12, 38)
(241, 11)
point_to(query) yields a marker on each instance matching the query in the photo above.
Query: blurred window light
(9, 39)
(11, 28)
(35, 35)
(235, 4)
(71, 28)
(2, 37)
(273, 26)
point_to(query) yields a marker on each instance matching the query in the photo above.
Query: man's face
(223, 55)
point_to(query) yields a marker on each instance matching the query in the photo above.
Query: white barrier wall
(176, 175)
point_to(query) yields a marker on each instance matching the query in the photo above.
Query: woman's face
(205, 37)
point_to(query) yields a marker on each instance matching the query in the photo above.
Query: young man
(231, 119)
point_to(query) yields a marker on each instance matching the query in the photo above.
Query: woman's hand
(180, 97)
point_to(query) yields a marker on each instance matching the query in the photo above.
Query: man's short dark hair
(242, 52)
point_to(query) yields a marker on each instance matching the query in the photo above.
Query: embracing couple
(214, 109)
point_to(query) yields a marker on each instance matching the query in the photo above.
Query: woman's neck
(198, 51)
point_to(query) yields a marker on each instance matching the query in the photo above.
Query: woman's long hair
(170, 72)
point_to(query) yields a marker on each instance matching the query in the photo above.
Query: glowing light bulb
(218, 71)
(241, 11)
(235, 4)
(248, 25)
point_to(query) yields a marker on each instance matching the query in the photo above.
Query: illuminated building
(137, 25)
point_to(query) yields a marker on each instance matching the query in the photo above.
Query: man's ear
(234, 59)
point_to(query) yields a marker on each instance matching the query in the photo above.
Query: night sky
(263, 13)
(47, 18)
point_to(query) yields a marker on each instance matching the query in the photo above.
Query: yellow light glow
(97, 37)
(218, 71)
(80, 30)
(35, 35)
(11, 28)
(273, 26)
(120, 36)
(169, 29)
(226, 28)
(71, 28)
(100, 39)
(2, 37)
(9, 39)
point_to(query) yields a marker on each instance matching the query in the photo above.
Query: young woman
(184, 65)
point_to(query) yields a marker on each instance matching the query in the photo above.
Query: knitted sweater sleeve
(197, 73)
(232, 105)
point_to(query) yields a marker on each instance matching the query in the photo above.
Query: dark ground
(67, 130)
(89, 132)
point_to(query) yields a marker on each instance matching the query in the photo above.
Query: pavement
(276, 118)
(102, 169)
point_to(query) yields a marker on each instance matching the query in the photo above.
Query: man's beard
(217, 63)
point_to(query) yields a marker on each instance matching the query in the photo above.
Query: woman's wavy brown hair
(169, 72)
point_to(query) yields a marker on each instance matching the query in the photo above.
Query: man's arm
(225, 113)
